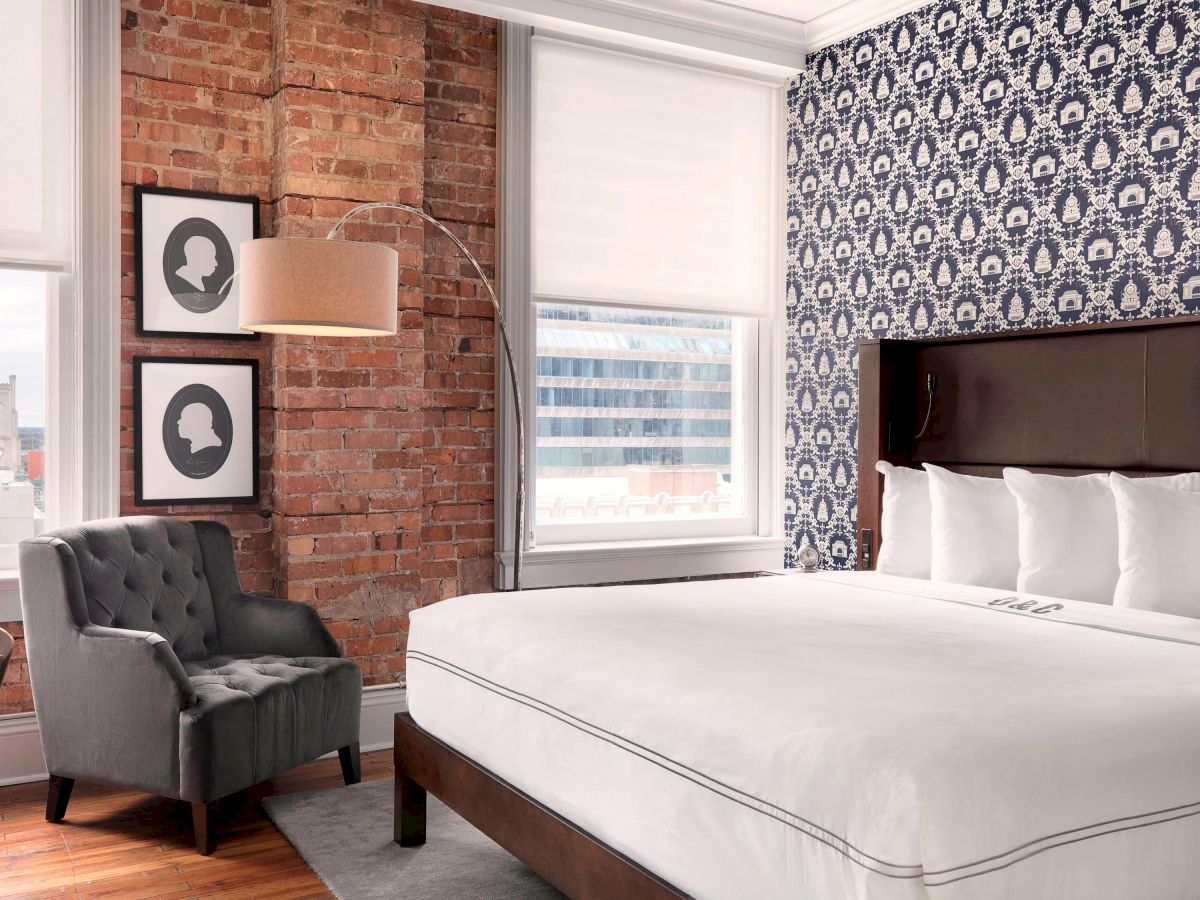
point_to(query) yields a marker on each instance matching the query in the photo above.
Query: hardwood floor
(116, 843)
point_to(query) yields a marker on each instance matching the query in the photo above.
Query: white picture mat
(160, 214)
(160, 479)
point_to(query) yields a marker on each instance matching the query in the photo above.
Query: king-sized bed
(851, 734)
(836, 735)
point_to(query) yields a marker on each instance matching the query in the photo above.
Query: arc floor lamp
(337, 288)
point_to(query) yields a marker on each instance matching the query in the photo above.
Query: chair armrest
(108, 700)
(108, 704)
(143, 657)
(250, 623)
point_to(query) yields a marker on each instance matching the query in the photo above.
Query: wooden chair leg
(202, 824)
(58, 797)
(351, 765)
(410, 812)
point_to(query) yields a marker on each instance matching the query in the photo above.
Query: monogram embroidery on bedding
(1033, 606)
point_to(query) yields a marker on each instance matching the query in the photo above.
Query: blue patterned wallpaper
(978, 166)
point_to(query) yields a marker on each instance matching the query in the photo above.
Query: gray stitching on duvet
(1058, 834)
(1086, 837)
(971, 605)
(922, 873)
(450, 667)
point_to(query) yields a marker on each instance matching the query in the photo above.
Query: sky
(23, 341)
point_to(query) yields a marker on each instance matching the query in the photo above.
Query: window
(59, 256)
(34, 246)
(654, 284)
(23, 305)
(640, 418)
(35, 178)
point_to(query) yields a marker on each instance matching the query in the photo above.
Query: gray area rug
(345, 836)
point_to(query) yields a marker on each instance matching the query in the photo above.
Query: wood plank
(117, 843)
(572, 860)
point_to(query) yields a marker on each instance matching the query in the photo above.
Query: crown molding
(720, 33)
(708, 30)
(855, 17)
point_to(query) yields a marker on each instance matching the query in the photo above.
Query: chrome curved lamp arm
(519, 530)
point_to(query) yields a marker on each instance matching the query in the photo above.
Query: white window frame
(591, 553)
(746, 387)
(83, 316)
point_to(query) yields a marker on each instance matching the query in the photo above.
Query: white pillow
(1159, 528)
(904, 523)
(1188, 481)
(974, 530)
(1067, 535)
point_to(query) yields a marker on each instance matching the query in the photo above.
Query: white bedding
(837, 735)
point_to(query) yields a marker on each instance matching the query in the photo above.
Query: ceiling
(767, 38)
(829, 20)
(800, 10)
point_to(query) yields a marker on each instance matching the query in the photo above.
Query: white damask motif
(999, 165)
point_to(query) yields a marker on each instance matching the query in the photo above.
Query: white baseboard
(21, 757)
(21, 750)
(377, 726)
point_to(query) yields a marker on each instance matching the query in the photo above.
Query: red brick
(351, 462)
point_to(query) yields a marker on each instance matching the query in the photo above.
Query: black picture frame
(139, 432)
(140, 192)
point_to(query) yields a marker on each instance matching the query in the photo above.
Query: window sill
(561, 565)
(10, 596)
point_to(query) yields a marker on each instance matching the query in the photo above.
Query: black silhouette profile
(197, 265)
(197, 431)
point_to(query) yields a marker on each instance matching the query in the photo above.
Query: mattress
(836, 734)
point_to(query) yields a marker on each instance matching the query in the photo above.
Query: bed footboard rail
(575, 862)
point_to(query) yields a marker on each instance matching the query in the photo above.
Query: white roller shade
(36, 48)
(654, 184)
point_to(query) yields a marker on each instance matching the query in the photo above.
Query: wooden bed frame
(575, 862)
(1121, 396)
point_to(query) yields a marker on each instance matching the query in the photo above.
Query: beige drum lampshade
(318, 286)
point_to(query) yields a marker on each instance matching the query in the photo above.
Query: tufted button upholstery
(238, 688)
(256, 716)
(147, 575)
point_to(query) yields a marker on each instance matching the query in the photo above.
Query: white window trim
(83, 389)
(749, 334)
(594, 562)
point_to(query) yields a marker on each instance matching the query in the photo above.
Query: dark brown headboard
(1123, 396)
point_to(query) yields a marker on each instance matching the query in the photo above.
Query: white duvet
(837, 735)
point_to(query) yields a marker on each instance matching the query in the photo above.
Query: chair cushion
(147, 573)
(257, 716)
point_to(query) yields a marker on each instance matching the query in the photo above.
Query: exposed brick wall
(376, 455)
(350, 128)
(460, 346)
(196, 78)
(14, 692)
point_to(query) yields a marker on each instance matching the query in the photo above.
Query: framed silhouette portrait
(195, 430)
(187, 247)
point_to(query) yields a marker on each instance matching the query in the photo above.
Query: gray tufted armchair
(151, 670)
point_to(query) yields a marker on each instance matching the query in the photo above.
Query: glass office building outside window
(639, 416)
